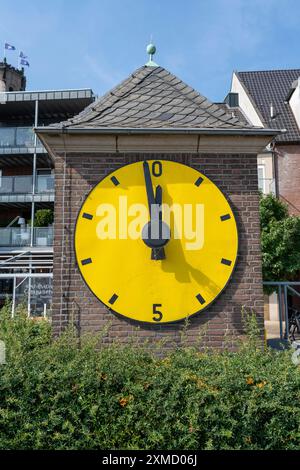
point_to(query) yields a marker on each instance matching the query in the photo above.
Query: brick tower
(11, 79)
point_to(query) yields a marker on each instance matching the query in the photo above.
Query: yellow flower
(103, 376)
(191, 377)
(166, 361)
(250, 381)
(201, 384)
(261, 384)
(123, 401)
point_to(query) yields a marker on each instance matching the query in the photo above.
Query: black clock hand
(158, 253)
(154, 241)
(158, 195)
(149, 187)
(158, 202)
(153, 202)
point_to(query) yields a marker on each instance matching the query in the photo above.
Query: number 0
(157, 312)
(156, 168)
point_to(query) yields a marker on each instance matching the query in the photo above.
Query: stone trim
(153, 143)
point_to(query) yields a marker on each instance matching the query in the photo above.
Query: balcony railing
(18, 236)
(23, 184)
(17, 137)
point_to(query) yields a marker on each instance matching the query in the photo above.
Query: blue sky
(97, 43)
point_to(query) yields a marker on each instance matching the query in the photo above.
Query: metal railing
(17, 137)
(23, 184)
(18, 236)
(26, 261)
(35, 289)
(285, 313)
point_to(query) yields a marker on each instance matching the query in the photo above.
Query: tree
(280, 240)
(43, 218)
(271, 209)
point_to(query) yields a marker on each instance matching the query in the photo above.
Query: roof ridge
(268, 71)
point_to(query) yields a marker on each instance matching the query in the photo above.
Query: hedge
(57, 395)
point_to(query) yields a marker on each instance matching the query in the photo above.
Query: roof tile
(154, 98)
(273, 86)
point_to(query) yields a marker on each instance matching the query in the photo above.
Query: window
(261, 178)
(44, 171)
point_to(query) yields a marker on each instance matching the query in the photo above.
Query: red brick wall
(221, 323)
(288, 174)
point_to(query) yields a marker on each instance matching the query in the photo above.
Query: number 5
(157, 312)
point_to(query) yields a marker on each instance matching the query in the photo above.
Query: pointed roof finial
(151, 49)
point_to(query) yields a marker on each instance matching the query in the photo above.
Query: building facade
(27, 187)
(154, 115)
(271, 98)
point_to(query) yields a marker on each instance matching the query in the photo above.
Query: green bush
(43, 218)
(57, 395)
(280, 241)
(271, 209)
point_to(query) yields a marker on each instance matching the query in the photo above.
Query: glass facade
(19, 236)
(23, 184)
(17, 137)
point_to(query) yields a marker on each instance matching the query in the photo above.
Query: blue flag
(9, 47)
(22, 55)
(24, 62)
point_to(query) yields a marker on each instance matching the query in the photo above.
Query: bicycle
(294, 323)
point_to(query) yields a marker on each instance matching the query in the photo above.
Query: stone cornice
(153, 143)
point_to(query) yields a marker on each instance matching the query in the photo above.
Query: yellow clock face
(156, 241)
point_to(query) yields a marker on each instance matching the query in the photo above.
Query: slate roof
(273, 86)
(234, 111)
(154, 98)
